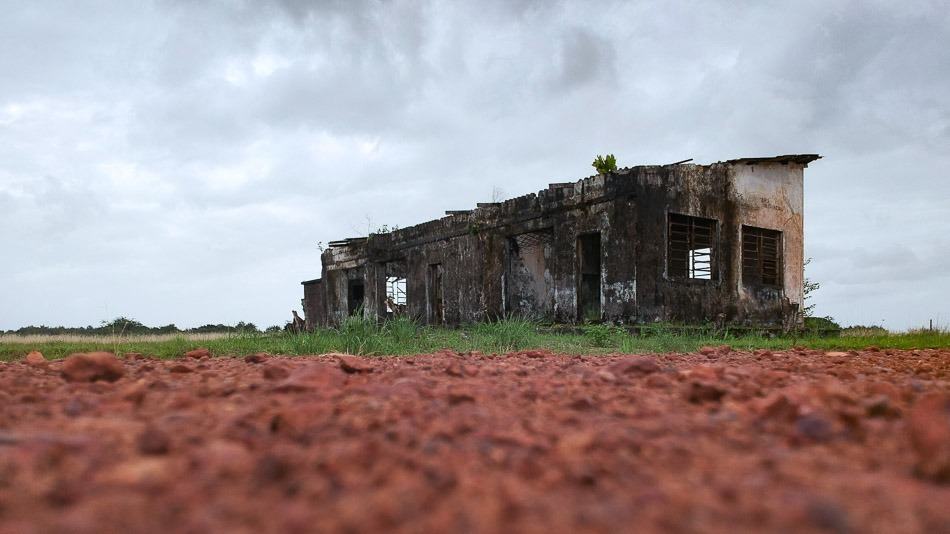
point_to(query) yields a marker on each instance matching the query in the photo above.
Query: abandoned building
(681, 243)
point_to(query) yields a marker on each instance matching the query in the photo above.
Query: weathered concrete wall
(529, 278)
(489, 266)
(770, 195)
(314, 304)
(699, 191)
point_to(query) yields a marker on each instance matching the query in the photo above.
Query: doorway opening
(436, 301)
(588, 277)
(355, 291)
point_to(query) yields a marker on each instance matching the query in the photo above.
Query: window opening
(761, 256)
(691, 253)
(395, 294)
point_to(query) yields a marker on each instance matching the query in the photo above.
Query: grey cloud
(203, 147)
(584, 58)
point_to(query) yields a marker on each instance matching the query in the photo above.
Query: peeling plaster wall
(484, 276)
(528, 280)
(771, 196)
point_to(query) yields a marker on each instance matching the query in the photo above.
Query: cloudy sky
(178, 162)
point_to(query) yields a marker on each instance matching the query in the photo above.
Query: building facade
(682, 243)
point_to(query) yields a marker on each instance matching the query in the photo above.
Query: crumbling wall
(522, 256)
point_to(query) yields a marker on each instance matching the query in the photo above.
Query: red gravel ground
(716, 441)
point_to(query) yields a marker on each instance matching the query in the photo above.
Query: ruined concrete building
(681, 243)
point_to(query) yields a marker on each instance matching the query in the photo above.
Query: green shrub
(605, 164)
(864, 331)
(604, 335)
(821, 324)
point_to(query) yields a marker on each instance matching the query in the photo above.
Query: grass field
(401, 336)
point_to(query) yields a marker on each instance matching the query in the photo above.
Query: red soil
(717, 441)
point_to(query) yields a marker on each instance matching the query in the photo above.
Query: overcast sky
(178, 162)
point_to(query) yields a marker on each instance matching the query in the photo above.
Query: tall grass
(400, 336)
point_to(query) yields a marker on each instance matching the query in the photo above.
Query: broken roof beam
(346, 242)
(488, 204)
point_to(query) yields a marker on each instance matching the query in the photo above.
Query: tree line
(125, 325)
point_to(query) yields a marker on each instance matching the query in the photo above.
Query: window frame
(688, 274)
(396, 289)
(758, 277)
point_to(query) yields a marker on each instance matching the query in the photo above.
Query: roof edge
(803, 159)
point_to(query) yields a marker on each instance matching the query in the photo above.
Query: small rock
(154, 441)
(703, 373)
(352, 364)
(606, 375)
(458, 397)
(35, 359)
(884, 388)
(836, 354)
(778, 406)
(828, 516)
(92, 366)
(814, 427)
(272, 468)
(313, 377)
(701, 391)
(134, 392)
(929, 427)
(180, 368)
(582, 404)
(76, 407)
(708, 351)
(274, 371)
(881, 406)
(454, 368)
(537, 354)
(258, 357)
(637, 365)
(198, 354)
(658, 381)
(138, 472)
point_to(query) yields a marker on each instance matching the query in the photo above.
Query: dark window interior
(691, 252)
(761, 256)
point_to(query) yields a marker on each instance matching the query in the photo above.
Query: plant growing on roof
(605, 164)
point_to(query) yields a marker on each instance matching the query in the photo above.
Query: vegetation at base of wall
(402, 336)
(823, 324)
